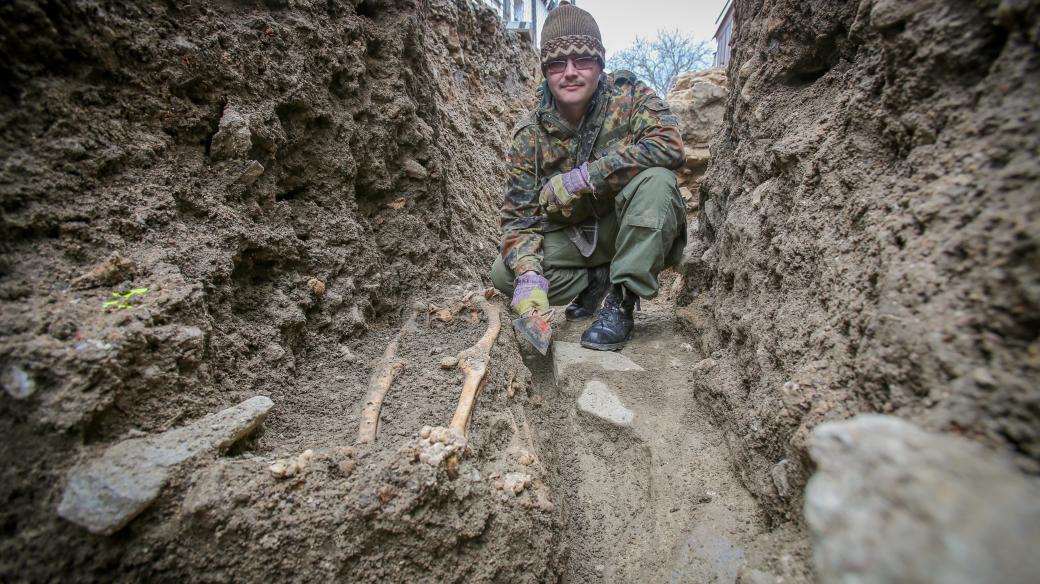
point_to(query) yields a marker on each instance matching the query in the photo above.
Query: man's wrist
(528, 264)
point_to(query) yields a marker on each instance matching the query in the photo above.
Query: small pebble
(449, 362)
(347, 354)
(278, 469)
(316, 286)
(346, 467)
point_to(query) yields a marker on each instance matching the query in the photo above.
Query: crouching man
(592, 208)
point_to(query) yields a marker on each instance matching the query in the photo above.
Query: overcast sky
(620, 21)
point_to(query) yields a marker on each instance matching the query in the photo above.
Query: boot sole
(605, 346)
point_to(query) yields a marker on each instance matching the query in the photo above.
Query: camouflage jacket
(626, 130)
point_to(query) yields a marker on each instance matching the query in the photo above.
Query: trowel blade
(535, 329)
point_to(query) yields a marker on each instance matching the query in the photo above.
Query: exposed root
(383, 374)
(473, 363)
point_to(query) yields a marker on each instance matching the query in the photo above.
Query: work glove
(531, 293)
(560, 192)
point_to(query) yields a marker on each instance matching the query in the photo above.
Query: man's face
(573, 80)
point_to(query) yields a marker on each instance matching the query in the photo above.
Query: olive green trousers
(645, 234)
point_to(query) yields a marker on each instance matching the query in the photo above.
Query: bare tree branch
(660, 60)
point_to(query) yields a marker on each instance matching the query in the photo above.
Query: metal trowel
(535, 329)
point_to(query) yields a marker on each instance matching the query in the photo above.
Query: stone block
(598, 400)
(892, 503)
(568, 355)
(104, 494)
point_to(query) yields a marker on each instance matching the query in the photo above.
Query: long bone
(383, 374)
(473, 363)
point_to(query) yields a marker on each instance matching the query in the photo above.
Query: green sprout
(122, 299)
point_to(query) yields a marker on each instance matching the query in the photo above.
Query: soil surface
(653, 498)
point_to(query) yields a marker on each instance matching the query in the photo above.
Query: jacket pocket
(649, 218)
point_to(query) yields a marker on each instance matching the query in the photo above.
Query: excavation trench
(581, 466)
(275, 181)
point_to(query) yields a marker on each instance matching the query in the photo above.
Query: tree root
(386, 369)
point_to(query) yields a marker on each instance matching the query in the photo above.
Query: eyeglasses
(580, 63)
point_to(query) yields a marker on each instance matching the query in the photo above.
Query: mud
(868, 232)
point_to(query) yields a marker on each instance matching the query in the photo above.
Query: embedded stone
(598, 400)
(892, 503)
(105, 494)
(568, 355)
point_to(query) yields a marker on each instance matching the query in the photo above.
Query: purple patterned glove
(531, 293)
(576, 180)
(560, 191)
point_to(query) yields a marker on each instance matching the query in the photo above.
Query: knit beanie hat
(570, 31)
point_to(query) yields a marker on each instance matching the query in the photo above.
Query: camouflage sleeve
(520, 219)
(654, 140)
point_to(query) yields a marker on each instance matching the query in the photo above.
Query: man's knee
(654, 191)
(658, 175)
(661, 182)
(502, 277)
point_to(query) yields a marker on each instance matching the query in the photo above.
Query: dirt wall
(280, 176)
(869, 229)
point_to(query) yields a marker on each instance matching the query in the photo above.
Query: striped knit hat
(570, 31)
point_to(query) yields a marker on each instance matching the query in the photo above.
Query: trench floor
(645, 478)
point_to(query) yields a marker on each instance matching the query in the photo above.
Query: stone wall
(698, 99)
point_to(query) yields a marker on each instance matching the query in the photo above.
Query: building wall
(532, 11)
(723, 36)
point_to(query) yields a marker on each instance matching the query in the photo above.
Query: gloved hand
(560, 192)
(531, 293)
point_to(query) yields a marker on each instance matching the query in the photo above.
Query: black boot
(585, 305)
(613, 325)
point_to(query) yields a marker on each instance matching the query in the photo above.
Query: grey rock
(705, 365)
(892, 503)
(752, 576)
(598, 400)
(415, 170)
(17, 383)
(233, 138)
(567, 355)
(698, 99)
(780, 478)
(252, 171)
(104, 494)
